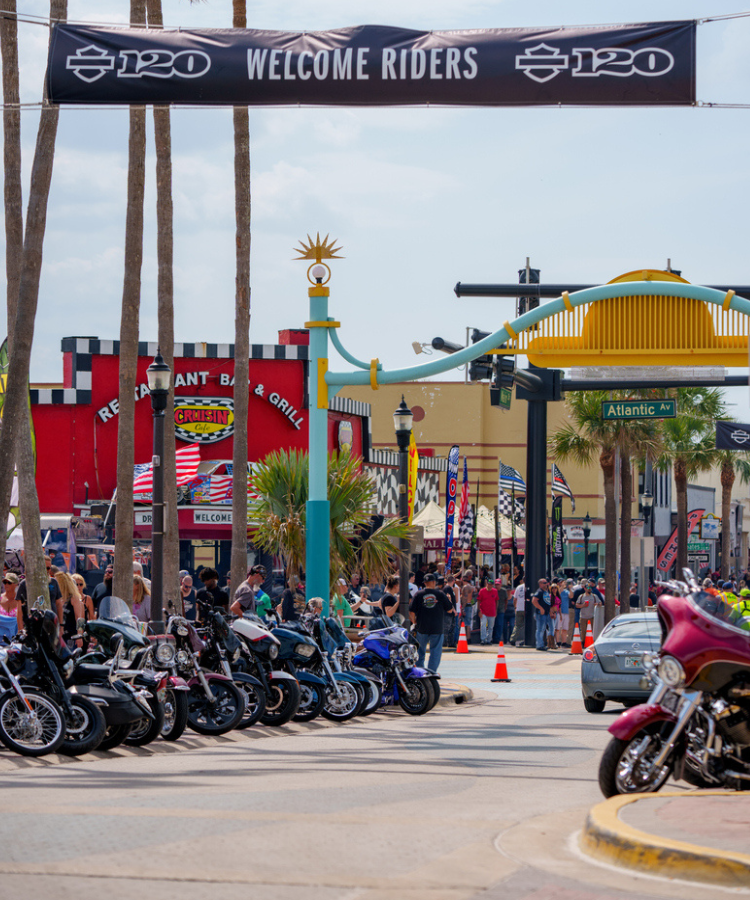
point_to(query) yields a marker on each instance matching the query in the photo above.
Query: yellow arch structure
(638, 331)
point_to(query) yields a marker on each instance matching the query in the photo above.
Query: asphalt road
(478, 800)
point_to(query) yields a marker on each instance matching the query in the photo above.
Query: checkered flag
(466, 531)
(519, 513)
(504, 503)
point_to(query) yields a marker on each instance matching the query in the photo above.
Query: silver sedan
(612, 668)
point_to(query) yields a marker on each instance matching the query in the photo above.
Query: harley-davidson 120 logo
(203, 420)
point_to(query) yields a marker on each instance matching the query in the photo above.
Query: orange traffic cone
(501, 670)
(463, 644)
(576, 648)
(589, 636)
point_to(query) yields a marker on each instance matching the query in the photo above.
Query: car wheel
(592, 705)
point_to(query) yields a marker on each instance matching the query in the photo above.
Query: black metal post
(535, 562)
(158, 380)
(403, 511)
(585, 555)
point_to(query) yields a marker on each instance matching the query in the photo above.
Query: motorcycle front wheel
(219, 715)
(313, 699)
(85, 730)
(282, 702)
(418, 698)
(373, 699)
(627, 766)
(346, 705)
(145, 730)
(175, 714)
(34, 729)
(255, 704)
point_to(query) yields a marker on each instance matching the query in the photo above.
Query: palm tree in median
(590, 437)
(689, 448)
(281, 481)
(731, 464)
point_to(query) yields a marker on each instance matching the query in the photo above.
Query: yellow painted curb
(606, 837)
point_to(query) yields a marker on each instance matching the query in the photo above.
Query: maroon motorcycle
(696, 723)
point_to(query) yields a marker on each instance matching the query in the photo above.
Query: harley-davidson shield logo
(203, 420)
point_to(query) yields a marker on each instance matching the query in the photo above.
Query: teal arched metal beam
(522, 323)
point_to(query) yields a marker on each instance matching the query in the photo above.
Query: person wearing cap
(340, 606)
(10, 605)
(245, 597)
(727, 592)
(427, 612)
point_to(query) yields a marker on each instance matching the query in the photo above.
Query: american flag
(464, 505)
(510, 480)
(560, 486)
(187, 458)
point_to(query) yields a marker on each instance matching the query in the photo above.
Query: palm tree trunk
(680, 483)
(165, 291)
(626, 521)
(16, 428)
(12, 162)
(727, 483)
(607, 462)
(122, 585)
(241, 324)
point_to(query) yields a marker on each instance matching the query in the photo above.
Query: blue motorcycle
(389, 654)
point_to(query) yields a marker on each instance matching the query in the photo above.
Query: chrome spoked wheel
(31, 729)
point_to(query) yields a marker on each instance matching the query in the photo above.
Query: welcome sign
(642, 64)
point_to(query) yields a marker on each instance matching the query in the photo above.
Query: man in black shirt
(427, 611)
(211, 593)
(103, 589)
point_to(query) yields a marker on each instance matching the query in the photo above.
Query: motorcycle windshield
(722, 613)
(336, 632)
(114, 609)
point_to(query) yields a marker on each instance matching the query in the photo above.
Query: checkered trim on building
(386, 488)
(82, 349)
(426, 463)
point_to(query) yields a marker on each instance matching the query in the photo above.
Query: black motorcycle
(31, 723)
(222, 654)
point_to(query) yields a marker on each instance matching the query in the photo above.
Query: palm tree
(165, 294)
(588, 437)
(689, 448)
(731, 463)
(241, 124)
(281, 481)
(131, 301)
(23, 293)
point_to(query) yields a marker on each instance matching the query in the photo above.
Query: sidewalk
(691, 835)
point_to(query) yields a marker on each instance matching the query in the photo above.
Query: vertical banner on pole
(557, 533)
(413, 469)
(450, 506)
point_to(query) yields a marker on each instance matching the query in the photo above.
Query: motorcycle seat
(90, 673)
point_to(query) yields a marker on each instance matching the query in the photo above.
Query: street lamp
(159, 376)
(644, 572)
(402, 422)
(586, 536)
(647, 505)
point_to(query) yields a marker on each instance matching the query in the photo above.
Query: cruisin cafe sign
(649, 64)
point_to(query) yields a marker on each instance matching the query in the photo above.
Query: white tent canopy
(432, 519)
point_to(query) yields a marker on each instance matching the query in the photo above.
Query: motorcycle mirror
(690, 578)
(39, 603)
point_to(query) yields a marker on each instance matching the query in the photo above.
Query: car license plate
(632, 662)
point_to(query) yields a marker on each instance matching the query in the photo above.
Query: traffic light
(527, 303)
(501, 386)
(481, 368)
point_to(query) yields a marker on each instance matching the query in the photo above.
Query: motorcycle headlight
(649, 661)
(306, 650)
(671, 672)
(405, 651)
(183, 657)
(165, 654)
(133, 652)
(273, 651)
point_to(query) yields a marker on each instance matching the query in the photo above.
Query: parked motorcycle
(259, 657)
(341, 653)
(31, 723)
(390, 655)
(222, 654)
(46, 664)
(299, 655)
(696, 723)
(215, 703)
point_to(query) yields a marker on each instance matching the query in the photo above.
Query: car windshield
(114, 609)
(633, 628)
(721, 612)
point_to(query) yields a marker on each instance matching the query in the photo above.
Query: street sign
(696, 547)
(639, 409)
(710, 527)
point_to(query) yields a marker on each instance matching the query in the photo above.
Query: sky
(417, 198)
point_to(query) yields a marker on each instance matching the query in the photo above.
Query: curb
(611, 840)
(452, 694)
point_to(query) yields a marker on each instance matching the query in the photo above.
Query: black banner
(557, 533)
(374, 65)
(732, 436)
